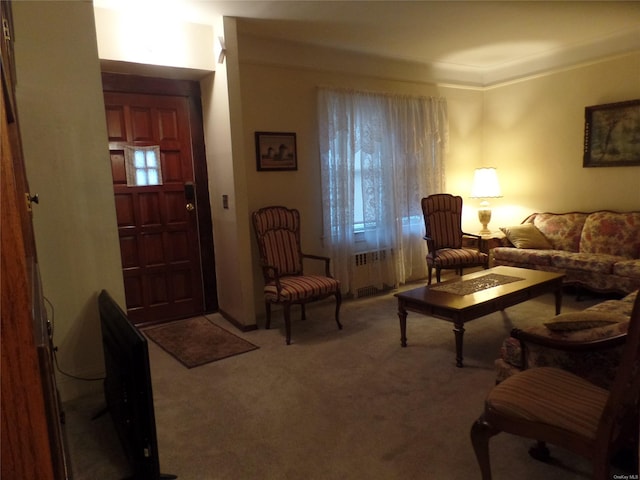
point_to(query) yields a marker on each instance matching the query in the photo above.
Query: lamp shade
(485, 183)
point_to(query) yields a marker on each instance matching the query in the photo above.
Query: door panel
(159, 241)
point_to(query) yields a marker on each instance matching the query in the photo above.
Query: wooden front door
(156, 213)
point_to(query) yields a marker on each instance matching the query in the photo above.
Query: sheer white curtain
(380, 154)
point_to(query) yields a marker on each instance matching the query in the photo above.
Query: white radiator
(372, 272)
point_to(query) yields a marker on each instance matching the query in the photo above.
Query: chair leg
(267, 306)
(287, 321)
(438, 271)
(303, 312)
(481, 432)
(430, 273)
(338, 302)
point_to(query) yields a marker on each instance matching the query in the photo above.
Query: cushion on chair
(456, 256)
(297, 288)
(550, 396)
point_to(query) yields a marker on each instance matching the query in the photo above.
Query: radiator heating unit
(372, 272)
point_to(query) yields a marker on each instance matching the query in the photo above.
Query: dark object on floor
(127, 389)
(196, 341)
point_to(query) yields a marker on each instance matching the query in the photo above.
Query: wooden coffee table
(476, 295)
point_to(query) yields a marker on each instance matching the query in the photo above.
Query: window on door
(143, 166)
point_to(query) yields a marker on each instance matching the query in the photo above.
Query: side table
(487, 243)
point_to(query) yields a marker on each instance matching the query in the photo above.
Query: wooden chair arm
(430, 244)
(478, 239)
(271, 273)
(473, 235)
(323, 258)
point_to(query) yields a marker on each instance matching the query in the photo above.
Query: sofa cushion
(628, 268)
(583, 320)
(612, 233)
(523, 256)
(586, 262)
(526, 236)
(562, 230)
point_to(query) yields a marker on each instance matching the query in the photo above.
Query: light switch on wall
(225, 201)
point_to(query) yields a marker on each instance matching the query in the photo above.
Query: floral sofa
(587, 343)
(598, 250)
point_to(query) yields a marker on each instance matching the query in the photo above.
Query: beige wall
(61, 110)
(159, 40)
(222, 106)
(531, 130)
(534, 135)
(279, 96)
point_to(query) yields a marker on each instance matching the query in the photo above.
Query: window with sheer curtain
(380, 154)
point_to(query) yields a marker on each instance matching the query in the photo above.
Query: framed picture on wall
(276, 151)
(612, 134)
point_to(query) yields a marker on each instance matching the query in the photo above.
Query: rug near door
(197, 341)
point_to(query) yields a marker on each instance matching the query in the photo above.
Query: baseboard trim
(243, 328)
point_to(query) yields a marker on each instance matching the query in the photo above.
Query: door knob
(190, 207)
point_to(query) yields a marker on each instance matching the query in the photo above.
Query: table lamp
(485, 185)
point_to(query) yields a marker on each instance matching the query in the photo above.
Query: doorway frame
(190, 89)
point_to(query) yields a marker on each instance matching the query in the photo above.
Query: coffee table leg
(402, 315)
(558, 293)
(459, 333)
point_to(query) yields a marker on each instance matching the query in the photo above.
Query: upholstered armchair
(442, 214)
(277, 232)
(588, 343)
(552, 405)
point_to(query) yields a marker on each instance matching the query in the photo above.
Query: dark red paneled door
(157, 224)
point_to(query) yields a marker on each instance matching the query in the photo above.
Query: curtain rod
(375, 92)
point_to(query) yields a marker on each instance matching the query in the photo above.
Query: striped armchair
(443, 223)
(277, 231)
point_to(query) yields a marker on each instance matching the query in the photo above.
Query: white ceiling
(475, 42)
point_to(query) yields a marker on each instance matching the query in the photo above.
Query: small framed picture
(276, 151)
(612, 134)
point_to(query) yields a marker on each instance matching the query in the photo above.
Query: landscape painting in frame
(612, 135)
(276, 151)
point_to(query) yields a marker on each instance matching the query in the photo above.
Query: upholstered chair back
(278, 234)
(443, 220)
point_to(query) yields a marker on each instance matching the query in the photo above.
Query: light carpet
(347, 404)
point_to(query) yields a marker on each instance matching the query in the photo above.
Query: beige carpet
(347, 404)
(197, 341)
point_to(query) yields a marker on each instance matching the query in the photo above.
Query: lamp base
(484, 215)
